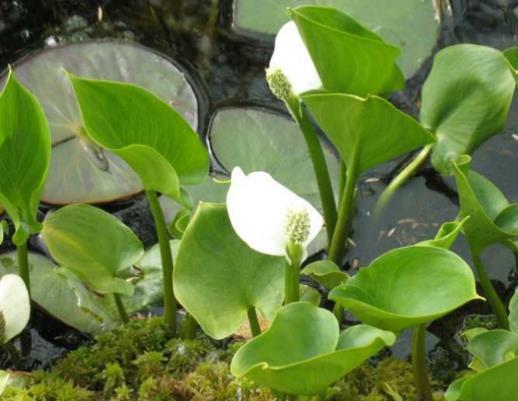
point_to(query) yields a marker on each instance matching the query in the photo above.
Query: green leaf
(315, 356)
(24, 157)
(513, 312)
(353, 124)
(465, 100)
(217, 277)
(494, 347)
(80, 171)
(310, 294)
(360, 62)
(408, 24)
(420, 284)
(326, 273)
(446, 235)
(495, 384)
(4, 229)
(511, 55)
(145, 132)
(72, 236)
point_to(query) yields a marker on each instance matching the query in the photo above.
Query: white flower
(15, 307)
(291, 56)
(267, 216)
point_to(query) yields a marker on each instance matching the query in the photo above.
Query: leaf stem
(255, 327)
(422, 383)
(188, 327)
(318, 159)
(489, 291)
(345, 214)
(399, 180)
(120, 308)
(170, 305)
(291, 283)
(23, 265)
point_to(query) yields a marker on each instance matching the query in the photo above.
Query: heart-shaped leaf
(72, 237)
(465, 100)
(513, 312)
(144, 131)
(315, 356)
(353, 124)
(447, 234)
(349, 58)
(326, 273)
(420, 284)
(217, 277)
(24, 157)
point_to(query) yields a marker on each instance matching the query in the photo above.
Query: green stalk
(120, 308)
(188, 327)
(23, 265)
(403, 176)
(342, 180)
(319, 163)
(170, 306)
(294, 254)
(422, 383)
(345, 214)
(489, 292)
(255, 327)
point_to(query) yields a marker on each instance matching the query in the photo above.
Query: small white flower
(267, 216)
(291, 57)
(15, 307)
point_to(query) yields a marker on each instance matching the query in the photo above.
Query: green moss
(139, 363)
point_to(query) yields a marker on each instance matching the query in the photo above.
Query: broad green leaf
(348, 57)
(495, 384)
(257, 139)
(73, 238)
(494, 347)
(144, 131)
(303, 351)
(353, 124)
(465, 100)
(24, 157)
(513, 312)
(446, 235)
(62, 295)
(326, 273)
(80, 171)
(408, 24)
(491, 218)
(511, 55)
(420, 284)
(310, 294)
(217, 277)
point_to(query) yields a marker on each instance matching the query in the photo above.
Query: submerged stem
(489, 292)
(23, 265)
(170, 306)
(120, 308)
(422, 383)
(255, 327)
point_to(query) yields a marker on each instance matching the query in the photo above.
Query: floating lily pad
(257, 139)
(80, 171)
(409, 24)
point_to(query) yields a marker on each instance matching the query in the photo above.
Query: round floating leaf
(24, 157)
(420, 284)
(326, 273)
(217, 277)
(408, 24)
(446, 235)
(303, 352)
(354, 124)
(72, 236)
(348, 57)
(259, 140)
(145, 131)
(465, 100)
(80, 171)
(513, 312)
(62, 294)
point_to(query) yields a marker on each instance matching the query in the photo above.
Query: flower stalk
(422, 383)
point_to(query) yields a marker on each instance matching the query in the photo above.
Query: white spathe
(15, 305)
(259, 209)
(291, 56)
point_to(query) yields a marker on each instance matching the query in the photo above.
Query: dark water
(228, 69)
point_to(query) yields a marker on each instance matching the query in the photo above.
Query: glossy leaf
(447, 234)
(325, 272)
(143, 130)
(72, 237)
(348, 57)
(513, 312)
(353, 124)
(315, 356)
(465, 100)
(310, 294)
(494, 347)
(217, 277)
(24, 157)
(420, 284)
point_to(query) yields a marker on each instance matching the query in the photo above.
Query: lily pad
(80, 171)
(409, 24)
(420, 284)
(257, 139)
(315, 356)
